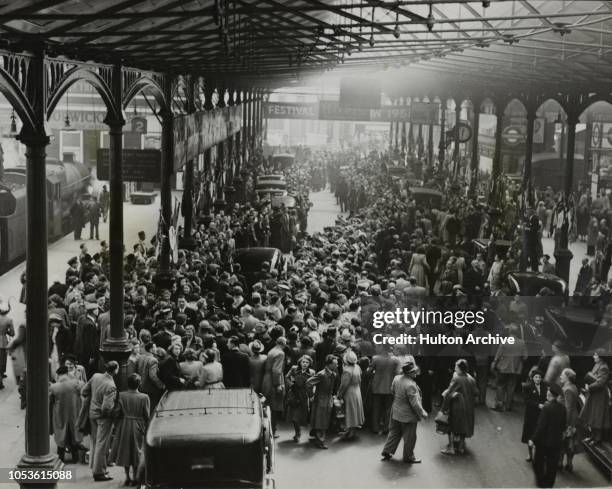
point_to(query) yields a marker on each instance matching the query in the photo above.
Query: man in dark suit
(86, 341)
(101, 393)
(147, 366)
(548, 437)
(384, 368)
(236, 365)
(183, 308)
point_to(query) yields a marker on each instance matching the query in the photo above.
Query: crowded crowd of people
(299, 332)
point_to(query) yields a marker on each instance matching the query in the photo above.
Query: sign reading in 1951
(139, 165)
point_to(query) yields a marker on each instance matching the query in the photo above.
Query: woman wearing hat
(595, 414)
(459, 401)
(534, 394)
(350, 393)
(299, 394)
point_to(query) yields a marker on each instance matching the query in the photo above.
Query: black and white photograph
(305, 244)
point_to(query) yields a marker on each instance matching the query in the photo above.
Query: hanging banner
(195, 133)
(283, 110)
(330, 110)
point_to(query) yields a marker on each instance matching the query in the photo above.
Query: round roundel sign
(513, 135)
(465, 132)
(596, 135)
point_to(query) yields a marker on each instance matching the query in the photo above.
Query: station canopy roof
(272, 42)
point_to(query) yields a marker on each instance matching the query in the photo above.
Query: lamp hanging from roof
(13, 128)
(67, 118)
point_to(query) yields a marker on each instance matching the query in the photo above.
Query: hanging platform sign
(424, 113)
(195, 133)
(139, 165)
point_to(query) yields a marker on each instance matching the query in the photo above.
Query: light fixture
(396, 31)
(430, 19)
(13, 128)
(371, 42)
(486, 4)
(67, 118)
(561, 28)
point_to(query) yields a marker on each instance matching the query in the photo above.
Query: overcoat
(273, 377)
(65, 405)
(596, 411)
(323, 402)
(350, 392)
(131, 428)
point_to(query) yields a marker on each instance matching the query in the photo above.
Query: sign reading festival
(329, 110)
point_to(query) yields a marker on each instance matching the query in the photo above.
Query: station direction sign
(139, 165)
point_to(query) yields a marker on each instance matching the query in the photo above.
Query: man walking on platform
(101, 393)
(406, 412)
(104, 202)
(94, 220)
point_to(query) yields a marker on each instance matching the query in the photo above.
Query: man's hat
(91, 306)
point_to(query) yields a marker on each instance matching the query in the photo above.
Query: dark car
(251, 259)
(209, 438)
(427, 197)
(482, 245)
(531, 283)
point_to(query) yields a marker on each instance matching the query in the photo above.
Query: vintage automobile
(250, 260)
(283, 161)
(209, 438)
(287, 200)
(428, 197)
(268, 186)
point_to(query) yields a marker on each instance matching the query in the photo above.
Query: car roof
(206, 415)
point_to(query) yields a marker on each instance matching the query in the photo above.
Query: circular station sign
(465, 132)
(513, 135)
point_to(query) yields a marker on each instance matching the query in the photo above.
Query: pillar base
(119, 350)
(187, 243)
(563, 259)
(44, 462)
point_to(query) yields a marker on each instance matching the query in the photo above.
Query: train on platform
(66, 182)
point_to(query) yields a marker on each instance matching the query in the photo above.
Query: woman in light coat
(350, 393)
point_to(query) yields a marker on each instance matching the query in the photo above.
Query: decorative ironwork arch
(94, 79)
(13, 85)
(593, 98)
(134, 82)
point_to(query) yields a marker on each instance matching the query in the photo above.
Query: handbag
(442, 423)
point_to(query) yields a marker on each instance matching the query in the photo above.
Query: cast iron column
(442, 142)
(37, 447)
(527, 182)
(167, 167)
(475, 159)
(457, 141)
(116, 347)
(496, 169)
(563, 256)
